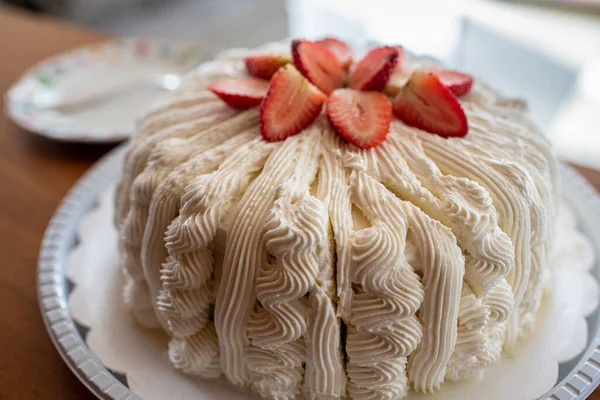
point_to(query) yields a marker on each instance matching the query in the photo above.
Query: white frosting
(310, 266)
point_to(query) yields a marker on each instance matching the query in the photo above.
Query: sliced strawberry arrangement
(425, 103)
(423, 98)
(318, 64)
(374, 69)
(241, 93)
(362, 118)
(458, 82)
(290, 105)
(265, 65)
(341, 50)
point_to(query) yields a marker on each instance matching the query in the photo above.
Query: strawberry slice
(400, 49)
(362, 118)
(241, 93)
(397, 80)
(375, 68)
(290, 105)
(341, 50)
(427, 104)
(318, 64)
(265, 65)
(458, 82)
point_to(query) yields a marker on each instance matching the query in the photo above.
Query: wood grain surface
(35, 173)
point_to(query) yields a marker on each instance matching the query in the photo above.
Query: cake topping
(362, 118)
(318, 64)
(458, 82)
(423, 98)
(425, 103)
(341, 50)
(374, 69)
(290, 105)
(397, 80)
(241, 93)
(265, 65)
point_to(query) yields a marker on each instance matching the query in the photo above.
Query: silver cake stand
(577, 378)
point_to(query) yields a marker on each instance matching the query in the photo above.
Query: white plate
(95, 93)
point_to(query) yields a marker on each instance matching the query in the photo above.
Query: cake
(333, 260)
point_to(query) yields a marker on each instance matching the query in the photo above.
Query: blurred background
(547, 52)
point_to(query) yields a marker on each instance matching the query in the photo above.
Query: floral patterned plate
(96, 93)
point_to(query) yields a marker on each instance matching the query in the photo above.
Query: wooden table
(35, 174)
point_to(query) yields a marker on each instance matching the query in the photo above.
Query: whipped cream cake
(302, 221)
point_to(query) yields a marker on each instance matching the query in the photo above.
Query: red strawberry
(427, 104)
(318, 64)
(241, 93)
(291, 104)
(362, 118)
(265, 65)
(341, 50)
(459, 82)
(374, 70)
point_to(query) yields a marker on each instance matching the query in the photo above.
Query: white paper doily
(527, 373)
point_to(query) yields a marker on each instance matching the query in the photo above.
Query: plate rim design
(22, 113)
